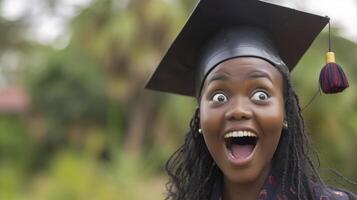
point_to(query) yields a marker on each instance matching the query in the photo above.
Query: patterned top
(270, 191)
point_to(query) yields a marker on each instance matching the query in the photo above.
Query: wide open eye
(219, 98)
(260, 96)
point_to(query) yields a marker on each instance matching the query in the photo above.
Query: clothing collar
(270, 190)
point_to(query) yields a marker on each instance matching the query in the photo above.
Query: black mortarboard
(221, 29)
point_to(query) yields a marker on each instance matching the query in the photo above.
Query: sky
(49, 28)
(342, 13)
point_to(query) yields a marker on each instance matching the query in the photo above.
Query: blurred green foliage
(92, 132)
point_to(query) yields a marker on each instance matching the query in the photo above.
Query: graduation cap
(224, 29)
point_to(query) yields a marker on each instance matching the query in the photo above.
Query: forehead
(242, 66)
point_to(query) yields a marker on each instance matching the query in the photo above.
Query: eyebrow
(259, 74)
(217, 77)
(251, 75)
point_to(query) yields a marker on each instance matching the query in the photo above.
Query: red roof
(13, 100)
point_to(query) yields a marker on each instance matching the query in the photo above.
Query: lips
(240, 145)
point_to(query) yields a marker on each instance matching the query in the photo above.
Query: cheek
(272, 124)
(210, 122)
(210, 119)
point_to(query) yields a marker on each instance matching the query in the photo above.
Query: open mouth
(240, 144)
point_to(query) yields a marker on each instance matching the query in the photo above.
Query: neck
(244, 191)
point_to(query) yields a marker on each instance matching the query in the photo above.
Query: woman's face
(242, 114)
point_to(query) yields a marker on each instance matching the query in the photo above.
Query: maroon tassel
(332, 78)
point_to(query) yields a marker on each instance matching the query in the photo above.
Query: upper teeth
(240, 134)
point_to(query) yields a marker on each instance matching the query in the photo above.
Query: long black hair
(193, 172)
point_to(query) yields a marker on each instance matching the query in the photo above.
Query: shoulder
(337, 194)
(327, 193)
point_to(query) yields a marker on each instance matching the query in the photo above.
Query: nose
(239, 110)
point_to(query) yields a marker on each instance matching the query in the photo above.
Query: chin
(240, 176)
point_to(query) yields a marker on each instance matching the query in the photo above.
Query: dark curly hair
(193, 172)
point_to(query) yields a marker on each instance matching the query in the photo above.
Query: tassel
(332, 78)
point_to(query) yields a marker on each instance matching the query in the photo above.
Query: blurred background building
(75, 122)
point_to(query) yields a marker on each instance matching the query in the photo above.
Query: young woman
(247, 138)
